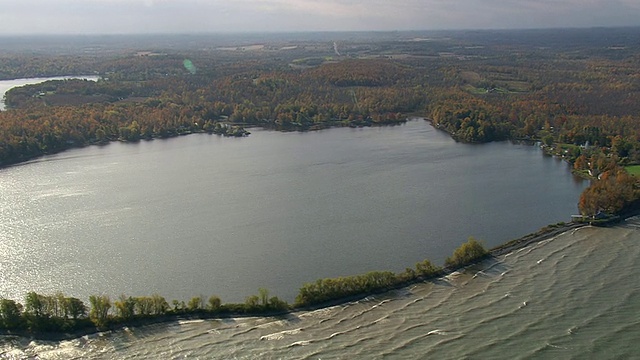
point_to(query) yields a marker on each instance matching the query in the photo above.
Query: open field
(633, 170)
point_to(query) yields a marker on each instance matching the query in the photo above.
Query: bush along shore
(58, 317)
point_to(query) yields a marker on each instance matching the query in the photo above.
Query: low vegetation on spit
(59, 314)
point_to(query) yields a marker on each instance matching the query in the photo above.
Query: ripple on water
(581, 301)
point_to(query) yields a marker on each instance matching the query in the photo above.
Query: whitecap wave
(280, 335)
(300, 343)
(437, 332)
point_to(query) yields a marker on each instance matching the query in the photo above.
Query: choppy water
(575, 296)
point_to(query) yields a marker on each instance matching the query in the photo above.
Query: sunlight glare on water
(572, 297)
(202, 214)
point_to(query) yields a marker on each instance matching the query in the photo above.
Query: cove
(202, 214)
(6, 85)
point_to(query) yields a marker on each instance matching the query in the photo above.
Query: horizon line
(209, 33)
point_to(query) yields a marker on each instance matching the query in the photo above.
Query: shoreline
(544, 233)
(226, 313)
(234, 130)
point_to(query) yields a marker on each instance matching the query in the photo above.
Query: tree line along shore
(60, 317)
(584, 108)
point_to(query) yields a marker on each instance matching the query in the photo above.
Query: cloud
(163, 16)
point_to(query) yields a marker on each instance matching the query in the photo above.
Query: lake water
(575, 296)
(202, 214)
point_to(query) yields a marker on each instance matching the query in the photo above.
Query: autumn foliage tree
(612, 193)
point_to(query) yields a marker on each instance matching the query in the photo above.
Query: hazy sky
(194, 16)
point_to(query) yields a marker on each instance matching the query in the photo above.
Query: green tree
(10, 314)
(144, 305)
(407, 275)
(427, 269)
(276, 304)
(75, 308)
(214, 303)
(264, 296)
(178, 306)
(100, 305)
(57, 305)
(125, 307)
(159, 304)
(101, 136)
(252, 302)
(467, 253)
(34, 304)
(196, 303)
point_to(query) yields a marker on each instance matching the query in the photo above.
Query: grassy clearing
(633, 170)
(474, 90)
(569, 147)
(471, 76)
(496, 90)
(517, 86)
(311, 61)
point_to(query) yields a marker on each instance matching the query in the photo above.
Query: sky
(205, 16)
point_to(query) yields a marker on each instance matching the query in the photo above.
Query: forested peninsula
(574, 92)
